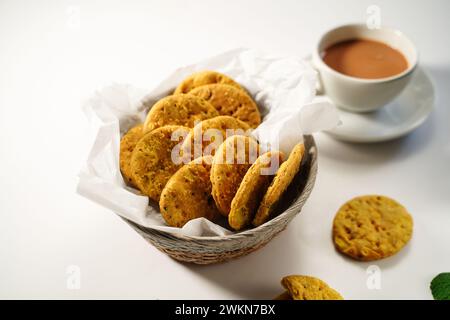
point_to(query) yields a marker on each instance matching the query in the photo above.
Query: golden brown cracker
(181, 109)
(309, 288)
(230, 101)
(202, 78)
(127, 145)
(209, 134)
(371, 227)
(232, 160)
(252, 188)
(151, 162)
(187, 195)
(279, 184)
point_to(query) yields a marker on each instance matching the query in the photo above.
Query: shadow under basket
(208, 250)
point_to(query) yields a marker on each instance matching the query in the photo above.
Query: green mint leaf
(440, 286)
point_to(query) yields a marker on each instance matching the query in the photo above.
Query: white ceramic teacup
(358, 94)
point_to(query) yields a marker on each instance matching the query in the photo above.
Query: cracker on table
(309, 288)
(371, 227)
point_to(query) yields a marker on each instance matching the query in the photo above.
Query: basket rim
(248, 232)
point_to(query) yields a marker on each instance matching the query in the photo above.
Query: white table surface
(53, 54)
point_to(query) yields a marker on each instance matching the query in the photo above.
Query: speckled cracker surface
(127, 145)
(279, 184)
(252, 188)
(230, 101)
(202, 78)
(187, 195)
(231, 161)
(151, 161)
(309, 288)
(209, 134)
(181, 109)
(371, 227)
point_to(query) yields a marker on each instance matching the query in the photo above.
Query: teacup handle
(319, 86)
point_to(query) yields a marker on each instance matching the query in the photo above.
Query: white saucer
(407, 112)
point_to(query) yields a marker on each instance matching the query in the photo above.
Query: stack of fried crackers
(195, 155)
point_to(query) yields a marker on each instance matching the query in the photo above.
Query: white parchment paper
(283, 88)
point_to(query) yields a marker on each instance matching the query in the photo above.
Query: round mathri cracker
(232, 160)
(230, 101)
(187, 195)
(371, 227)
(309, 288)
(279, 184)
(127, 145)
(252, 188)
(181, 109)
(209, 134)
(152, 164)
(202, 78)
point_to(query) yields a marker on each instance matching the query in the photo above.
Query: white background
(53, 54)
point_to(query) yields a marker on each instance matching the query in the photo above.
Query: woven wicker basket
(207, 250)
